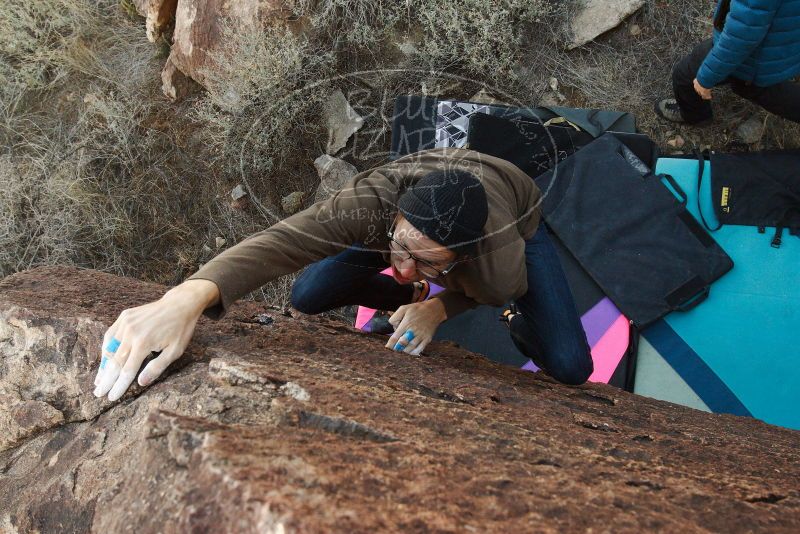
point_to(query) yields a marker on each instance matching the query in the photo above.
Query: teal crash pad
(739, 351)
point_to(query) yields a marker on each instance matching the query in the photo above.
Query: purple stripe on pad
(599, 319)
(530, 366)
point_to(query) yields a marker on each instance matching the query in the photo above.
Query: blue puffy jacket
(757, 41)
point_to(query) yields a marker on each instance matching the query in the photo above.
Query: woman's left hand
(415, 325)
(704, 93)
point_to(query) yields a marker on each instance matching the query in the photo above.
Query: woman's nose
(408, 268)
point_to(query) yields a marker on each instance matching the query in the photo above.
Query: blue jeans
(548, 330)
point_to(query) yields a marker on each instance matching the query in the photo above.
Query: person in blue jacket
(755, 49)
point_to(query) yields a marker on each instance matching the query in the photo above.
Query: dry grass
(262, 113)
(88, 170)
(480, 38)
(36, 41)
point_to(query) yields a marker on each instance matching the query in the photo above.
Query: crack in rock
(547, 461)
(603, 427)
(441, 395)
(343, 427)
(770, 498)
(242, 374)
(599, 398)
(644, 484)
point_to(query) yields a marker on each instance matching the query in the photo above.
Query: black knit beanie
(449, 207)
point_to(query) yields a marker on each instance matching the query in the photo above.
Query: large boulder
(277, 424)
(199, 37)
(598, 16)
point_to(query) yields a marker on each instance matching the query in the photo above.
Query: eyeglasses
(425, 268)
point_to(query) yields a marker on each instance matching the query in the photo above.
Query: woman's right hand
(165, 326)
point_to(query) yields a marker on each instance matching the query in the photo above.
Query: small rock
(751, 130)
(333, 174)
(239, 204)
(220, 242)
(676, 142)
(437, 88)
(292, 202)
(238, 192)
(635, 30)
(342, 120)
(598, 16)
(485, 97)
(206, 249)
(553, 97)
(549, 99)
(264, 319)
(408, 48)
(295, 391)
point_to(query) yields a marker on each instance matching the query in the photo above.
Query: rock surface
(342, 121)
(751, 131)
(174, 84)
(292, 202)
(277, 424)
(598, 16)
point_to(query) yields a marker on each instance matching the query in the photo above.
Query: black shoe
(508, 314)
(379, 324)
(668, 109)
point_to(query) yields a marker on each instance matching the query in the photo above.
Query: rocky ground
(272, 423)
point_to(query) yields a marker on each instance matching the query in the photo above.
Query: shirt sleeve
(746, 25)
(455, 302)
(356, 214)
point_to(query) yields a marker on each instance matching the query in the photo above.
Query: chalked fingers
(112, 368)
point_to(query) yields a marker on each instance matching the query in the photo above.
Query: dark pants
(548, 331)
(782, 99)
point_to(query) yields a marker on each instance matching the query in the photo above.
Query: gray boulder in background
(598, 16)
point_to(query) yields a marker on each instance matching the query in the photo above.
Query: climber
(755, 49)
(469, 221)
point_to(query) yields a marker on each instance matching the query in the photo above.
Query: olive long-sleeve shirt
(363, 211)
